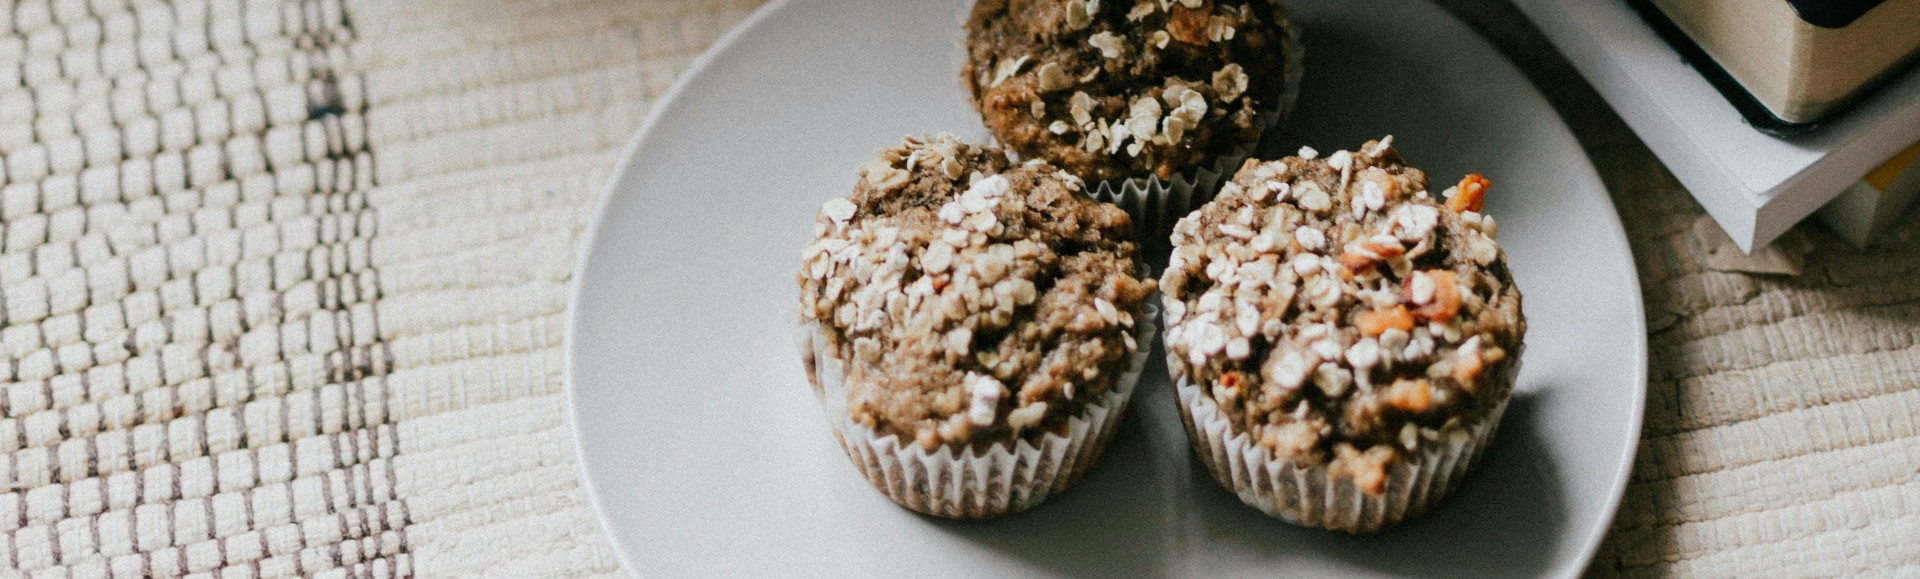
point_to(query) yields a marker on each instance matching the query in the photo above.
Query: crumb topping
(1338, 313)
(1115, 89)
(975, 300)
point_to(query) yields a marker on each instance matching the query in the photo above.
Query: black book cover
(1832, 13)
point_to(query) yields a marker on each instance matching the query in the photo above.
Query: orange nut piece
(1377, 322)
(1470, 194)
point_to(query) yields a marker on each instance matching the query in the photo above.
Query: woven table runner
(282, 285)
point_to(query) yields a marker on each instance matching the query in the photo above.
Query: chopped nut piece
(1444, 301)
(1467, 363)
(1410, 436)
(1415, 396)
(1363, 255)
(1469, 195)
(986, 393)
(1232, 383)
(1027, 416)
(1377, 322)
(1368, 469)
(1189, 21)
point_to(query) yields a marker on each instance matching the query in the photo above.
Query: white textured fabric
(281, 285)
(217, 333)
(193, 368)
(494, 131)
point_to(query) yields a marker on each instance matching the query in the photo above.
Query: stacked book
(1769, 111)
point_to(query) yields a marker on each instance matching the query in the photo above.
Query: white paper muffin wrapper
(1313, 496)
(972, 484)
(1156, 204)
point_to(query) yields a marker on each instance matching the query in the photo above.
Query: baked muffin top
(975, 300)
(1338, 313)
(1120, 89)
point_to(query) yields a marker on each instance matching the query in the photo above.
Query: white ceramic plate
(706, 455)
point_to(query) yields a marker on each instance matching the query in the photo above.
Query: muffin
(1343, 344)
(1160, 97)
(973, 327)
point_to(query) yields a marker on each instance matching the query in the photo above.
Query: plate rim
(1593, 538)
(585, 253)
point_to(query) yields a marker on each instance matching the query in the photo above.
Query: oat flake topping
(1116, 89)
(1339, 313)
(974, 300)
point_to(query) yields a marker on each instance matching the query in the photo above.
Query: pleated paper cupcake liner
(1004, 478)
(1314, 496)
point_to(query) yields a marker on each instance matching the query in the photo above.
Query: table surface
(281, 287)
